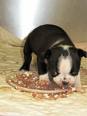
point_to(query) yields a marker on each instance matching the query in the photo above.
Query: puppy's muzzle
(64, 81)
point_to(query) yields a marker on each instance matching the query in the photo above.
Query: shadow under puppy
(57, 57)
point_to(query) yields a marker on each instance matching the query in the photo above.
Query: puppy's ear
(82, 53)
(48, 54)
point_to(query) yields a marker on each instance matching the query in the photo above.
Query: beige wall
(21, 16)
(69, 14)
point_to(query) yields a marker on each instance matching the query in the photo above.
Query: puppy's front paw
(44, 77)
(58, 79)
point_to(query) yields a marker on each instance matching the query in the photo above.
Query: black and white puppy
(57, 56)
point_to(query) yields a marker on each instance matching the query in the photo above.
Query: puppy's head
(64, 64)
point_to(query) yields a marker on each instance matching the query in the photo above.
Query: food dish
(29, 82)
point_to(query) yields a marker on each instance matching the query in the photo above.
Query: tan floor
(16, 103)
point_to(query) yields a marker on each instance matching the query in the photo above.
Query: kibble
(30, 80)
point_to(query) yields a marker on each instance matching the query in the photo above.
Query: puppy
(57, 57)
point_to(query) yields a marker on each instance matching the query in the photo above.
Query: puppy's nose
(64, 78)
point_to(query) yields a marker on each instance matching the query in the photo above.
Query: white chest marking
(65, 64)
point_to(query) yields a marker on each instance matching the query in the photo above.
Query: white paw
(44, 77)
(58, 79)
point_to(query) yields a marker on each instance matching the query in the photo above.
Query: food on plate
(29, 82)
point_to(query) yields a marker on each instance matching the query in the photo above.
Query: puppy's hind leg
(27, 58)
